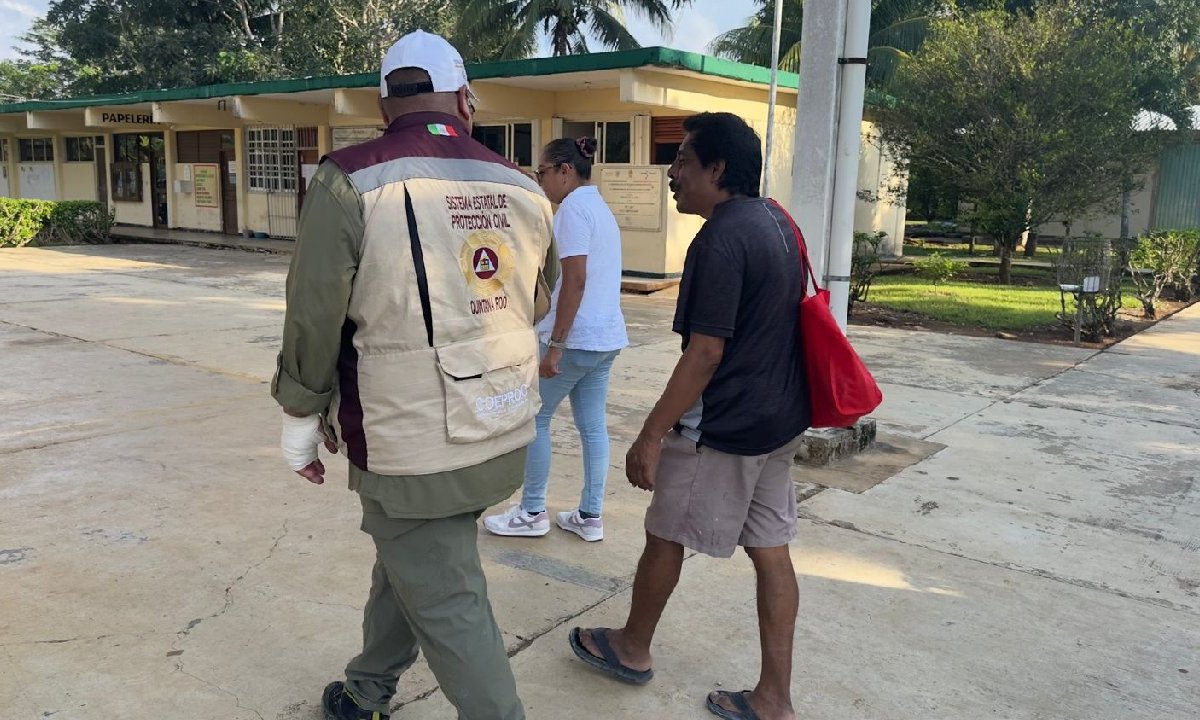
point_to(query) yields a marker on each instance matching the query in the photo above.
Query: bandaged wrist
(299, 440)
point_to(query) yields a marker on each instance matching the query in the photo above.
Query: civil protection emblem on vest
(486, 261)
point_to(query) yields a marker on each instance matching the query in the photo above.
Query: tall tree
(1169, 58)
(898, 27)
(95, 46)
(126, 45)
(24, 80)
(1031, 115)
(568, 24)
(328, 37)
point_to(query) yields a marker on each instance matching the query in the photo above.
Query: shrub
(864, 265)
(78, 221)
(37, 222)
(938, 268)
(22, 220)
(1171, 257)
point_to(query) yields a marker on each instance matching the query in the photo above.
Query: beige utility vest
(438, 369)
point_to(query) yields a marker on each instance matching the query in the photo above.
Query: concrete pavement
(157, 560)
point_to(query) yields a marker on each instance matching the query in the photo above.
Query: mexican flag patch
(440, 129)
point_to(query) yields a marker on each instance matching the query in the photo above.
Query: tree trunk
(1031, 245)
(1126, 213)
(1027, 234)
(1006, 253)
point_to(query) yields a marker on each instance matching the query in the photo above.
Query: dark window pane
(523, 144)
(80, 149)
(576, 130)
(616, 142)
(664, 153)
(494, 137)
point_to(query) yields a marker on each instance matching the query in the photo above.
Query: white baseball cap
(431, 53)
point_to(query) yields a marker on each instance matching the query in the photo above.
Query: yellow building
(236, 158)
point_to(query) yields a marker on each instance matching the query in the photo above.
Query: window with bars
(35, 149)
(80, 149)
(3, 150)
(271, 160)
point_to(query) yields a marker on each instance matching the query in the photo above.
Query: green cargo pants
(428, 593)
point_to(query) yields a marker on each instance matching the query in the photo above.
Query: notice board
(206, 185)
(635, 196)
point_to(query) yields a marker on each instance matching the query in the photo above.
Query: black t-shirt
(742, 281)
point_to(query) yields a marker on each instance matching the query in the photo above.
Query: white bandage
(300, 439)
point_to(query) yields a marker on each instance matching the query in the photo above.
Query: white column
(816, 124)
(849, 143)
(828, 125)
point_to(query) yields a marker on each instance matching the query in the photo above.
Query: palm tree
(567, 23)
(898, 27)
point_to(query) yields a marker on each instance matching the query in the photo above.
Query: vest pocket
(490, 385)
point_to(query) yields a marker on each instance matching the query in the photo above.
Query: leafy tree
(568, 23)
(95, 47)
(24, 80)
(327, 37)
(898, 27)
(127, 45)
(929, 197)
(1029, 114)
(1169, 59)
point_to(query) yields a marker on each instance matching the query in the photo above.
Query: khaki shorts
(712, 502)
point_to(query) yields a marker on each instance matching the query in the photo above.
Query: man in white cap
(419, 271)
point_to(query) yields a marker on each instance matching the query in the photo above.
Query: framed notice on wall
(635, 196)
(206, 185)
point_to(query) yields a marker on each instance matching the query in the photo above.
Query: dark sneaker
(338, 704)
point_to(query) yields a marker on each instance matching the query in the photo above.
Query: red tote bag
(839, 384)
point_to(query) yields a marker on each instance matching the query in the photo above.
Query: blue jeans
(583, 375)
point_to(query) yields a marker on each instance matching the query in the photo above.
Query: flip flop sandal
(743, 710)
(609, 664)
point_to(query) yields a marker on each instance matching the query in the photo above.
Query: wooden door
(229, 211)
(101, 176)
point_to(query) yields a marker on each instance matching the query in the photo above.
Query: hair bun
(587, 147)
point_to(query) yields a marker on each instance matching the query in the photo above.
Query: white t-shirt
(584, 225)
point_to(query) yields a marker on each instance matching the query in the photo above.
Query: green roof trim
(533, 67)
(630, 59)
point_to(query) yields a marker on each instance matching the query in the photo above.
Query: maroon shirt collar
(421, 119)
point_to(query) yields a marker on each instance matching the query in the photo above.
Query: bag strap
(800, 243)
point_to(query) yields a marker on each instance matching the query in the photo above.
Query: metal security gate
(281, 214)
(272, 169)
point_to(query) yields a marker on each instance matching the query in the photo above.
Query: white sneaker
(590, 529)
(518, 523)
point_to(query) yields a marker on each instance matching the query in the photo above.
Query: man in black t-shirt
(717, 449)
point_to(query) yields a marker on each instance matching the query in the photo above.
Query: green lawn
(1020, 275)
(995, 307)
(982, 249)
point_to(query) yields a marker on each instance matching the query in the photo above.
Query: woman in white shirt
(581, 338)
